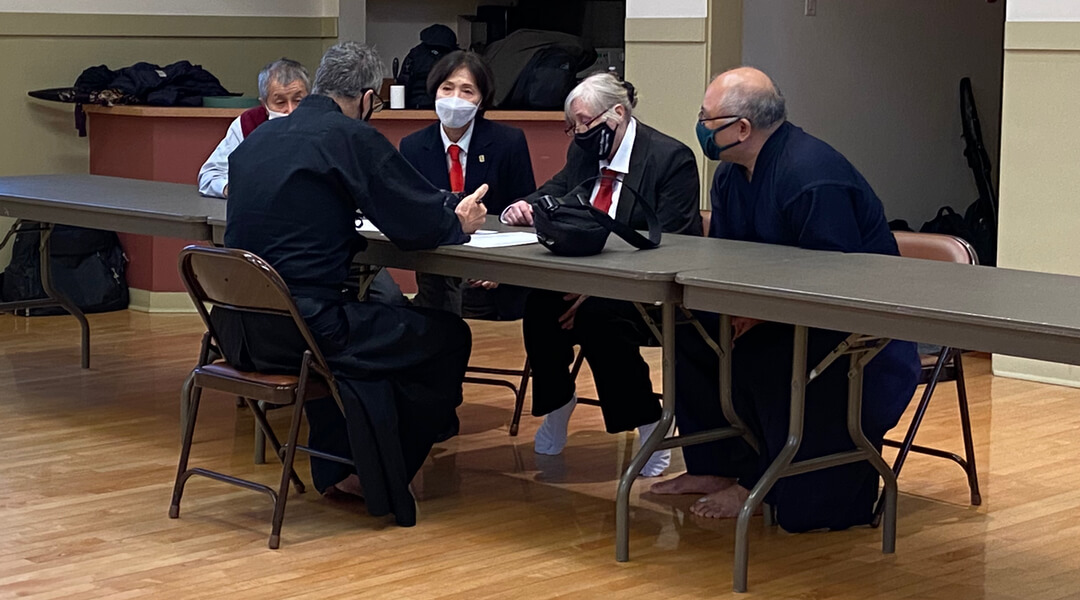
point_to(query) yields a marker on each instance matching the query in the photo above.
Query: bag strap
(16, 227)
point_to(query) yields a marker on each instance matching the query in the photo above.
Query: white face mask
(455, 112)
(274, 115)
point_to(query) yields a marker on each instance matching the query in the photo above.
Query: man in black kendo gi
(295, 186)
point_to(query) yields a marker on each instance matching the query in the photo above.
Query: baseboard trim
(1036, 370)
(160, 302)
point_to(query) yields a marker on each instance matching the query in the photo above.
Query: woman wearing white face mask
(459, 153)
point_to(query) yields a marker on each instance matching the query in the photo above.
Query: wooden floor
(87, 460)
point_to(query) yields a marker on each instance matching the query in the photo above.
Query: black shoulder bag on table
(570, 226)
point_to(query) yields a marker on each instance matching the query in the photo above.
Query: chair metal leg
(263, 425)
(185, 403)
(185, 390)
(907, 445)
(260, 438)
(965, 425)
(287, 466)
(519, 399)
(578, 361)
(182, 473)
(920, 412)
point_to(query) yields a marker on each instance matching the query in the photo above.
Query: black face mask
(596, 141)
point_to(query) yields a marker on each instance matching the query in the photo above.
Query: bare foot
(350, 485)
(724, 504)
(692, 484)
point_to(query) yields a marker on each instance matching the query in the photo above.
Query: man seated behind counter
(295, 187)
(282, 85)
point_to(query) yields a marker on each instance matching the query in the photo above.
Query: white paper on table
(486, 238)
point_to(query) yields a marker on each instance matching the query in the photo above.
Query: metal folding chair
(240, 281)
(944, 366)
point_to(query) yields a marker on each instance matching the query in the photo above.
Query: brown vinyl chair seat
(272, 389)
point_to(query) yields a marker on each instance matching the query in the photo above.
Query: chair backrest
(241, 281)
(935, 246)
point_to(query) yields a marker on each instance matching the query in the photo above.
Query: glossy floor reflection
(89, 457)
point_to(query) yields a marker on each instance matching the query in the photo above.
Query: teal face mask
(706, 137)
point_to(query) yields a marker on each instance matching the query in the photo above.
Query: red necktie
(607, 187)
(457, 176)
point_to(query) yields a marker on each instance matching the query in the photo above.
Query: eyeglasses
(574, 128)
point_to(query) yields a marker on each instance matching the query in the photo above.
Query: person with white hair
(611, 149)
(295, 187)
(282, 85)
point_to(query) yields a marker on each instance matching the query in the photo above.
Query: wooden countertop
(230, 113)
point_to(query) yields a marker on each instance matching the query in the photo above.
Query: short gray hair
(282, 72)
(347, 69)
(602, 92)
(763, 107)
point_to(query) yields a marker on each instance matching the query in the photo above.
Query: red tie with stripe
(457, 176)
(607, 188)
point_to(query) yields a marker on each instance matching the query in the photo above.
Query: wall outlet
(811, 8)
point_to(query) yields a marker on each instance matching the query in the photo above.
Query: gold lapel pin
(480, 158)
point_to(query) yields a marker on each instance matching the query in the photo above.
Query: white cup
(397, 96)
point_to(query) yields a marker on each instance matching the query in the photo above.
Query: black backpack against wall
(87, 266)
(545, 81)
(970, 227)
(436, 42)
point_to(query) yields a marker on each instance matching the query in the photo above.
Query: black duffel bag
(570, 226)
(87, 267)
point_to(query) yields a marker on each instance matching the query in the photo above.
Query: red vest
(252, 118)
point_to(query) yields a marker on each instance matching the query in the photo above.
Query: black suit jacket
(662, 170)
(498, 156)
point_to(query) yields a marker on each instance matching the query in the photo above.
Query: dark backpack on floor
(436, 42)
(87, 267)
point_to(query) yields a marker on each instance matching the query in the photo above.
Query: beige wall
(1040, 182)
(671, 48)
(248, 8)
(879, 81)
(50, 50)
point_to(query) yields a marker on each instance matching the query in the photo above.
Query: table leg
(50, 291)
(778, 466)
(854, 415)
(622, 498)
(727, 403)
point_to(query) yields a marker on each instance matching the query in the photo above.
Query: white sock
(550, 438)
(660, 460)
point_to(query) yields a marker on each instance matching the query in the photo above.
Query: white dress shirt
(463, 143)
(214, 174)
